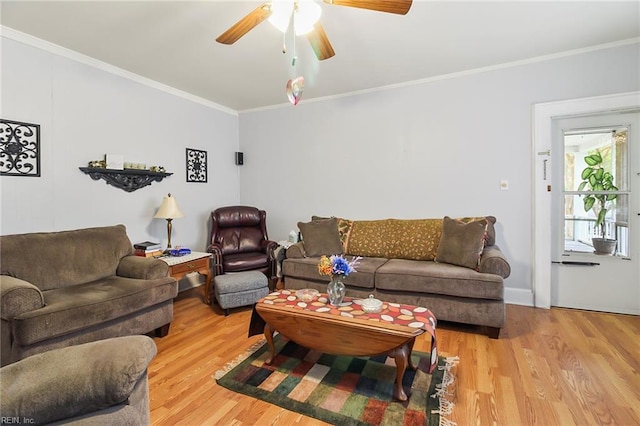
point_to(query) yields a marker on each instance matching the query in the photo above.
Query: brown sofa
(65, 288)
(97, 383)
(453, 267)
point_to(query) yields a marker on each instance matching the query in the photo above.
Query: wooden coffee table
(347, 330)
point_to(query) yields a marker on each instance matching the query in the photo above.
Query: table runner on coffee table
(391, 313)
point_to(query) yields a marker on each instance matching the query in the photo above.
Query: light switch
(504, 185)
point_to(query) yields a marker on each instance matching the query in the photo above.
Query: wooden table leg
(410, 350)
(207, 288)
(402, 357)
(268, 334)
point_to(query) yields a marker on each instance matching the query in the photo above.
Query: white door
(596, 181)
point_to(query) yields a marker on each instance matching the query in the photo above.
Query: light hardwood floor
(549, 367)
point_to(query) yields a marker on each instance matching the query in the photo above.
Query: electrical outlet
(504, 185)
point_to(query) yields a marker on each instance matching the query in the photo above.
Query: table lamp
(168, 210)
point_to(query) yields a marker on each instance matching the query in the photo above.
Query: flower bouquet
(337, 267)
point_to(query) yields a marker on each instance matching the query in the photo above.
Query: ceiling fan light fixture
(306, 14)
(281, 11)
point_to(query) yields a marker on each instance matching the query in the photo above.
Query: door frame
(543, 115)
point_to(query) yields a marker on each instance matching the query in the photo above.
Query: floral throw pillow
(462, 243)
(414, 239)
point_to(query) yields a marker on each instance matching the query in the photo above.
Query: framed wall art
(196, 165)
(19, 148)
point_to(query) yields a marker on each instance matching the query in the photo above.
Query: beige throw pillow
(321, 237)
(461, 243)
(344, 229)
(490, 238)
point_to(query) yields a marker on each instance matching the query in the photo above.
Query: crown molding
(635, 40)
(38, 43)
(87, 60)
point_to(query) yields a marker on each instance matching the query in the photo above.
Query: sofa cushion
(307, 268)
(244, 261)
(321, 237)
(461, 243)
(70, 309)
(415, 239)
(438, 278)
(464, 310)
(303, 267)
(51, 260)
(68, 382)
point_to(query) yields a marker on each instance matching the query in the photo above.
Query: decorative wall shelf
(128, 180)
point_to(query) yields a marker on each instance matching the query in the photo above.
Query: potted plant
(596, 179)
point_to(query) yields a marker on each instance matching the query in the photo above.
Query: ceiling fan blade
(320, 42)
(245, 25)
(400, 7)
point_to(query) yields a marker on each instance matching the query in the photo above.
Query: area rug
(342, 390)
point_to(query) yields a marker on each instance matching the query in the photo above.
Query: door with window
(595, 224)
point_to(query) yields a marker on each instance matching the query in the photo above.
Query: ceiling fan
(296, 10)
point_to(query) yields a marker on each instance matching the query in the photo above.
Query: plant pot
(604, 246)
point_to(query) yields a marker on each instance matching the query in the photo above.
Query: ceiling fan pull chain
(294, 59)
(295, 85)
(284, 43)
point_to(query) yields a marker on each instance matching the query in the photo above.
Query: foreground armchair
(66, 288)
(97, 383)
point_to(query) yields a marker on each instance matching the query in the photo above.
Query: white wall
(426, 150)
(85, 112)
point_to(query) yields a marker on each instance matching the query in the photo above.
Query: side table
(179, 266)
(279, 254)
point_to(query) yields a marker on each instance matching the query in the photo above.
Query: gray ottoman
(239, 289)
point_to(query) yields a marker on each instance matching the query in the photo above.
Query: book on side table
(147, 249)
(147, 245)
(152, 253)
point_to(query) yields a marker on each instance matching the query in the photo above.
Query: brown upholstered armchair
(239, 241)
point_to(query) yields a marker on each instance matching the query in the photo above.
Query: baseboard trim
(518, 296)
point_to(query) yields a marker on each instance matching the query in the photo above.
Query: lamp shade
(169, 209)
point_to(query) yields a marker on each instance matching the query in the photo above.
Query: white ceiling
(173, 42)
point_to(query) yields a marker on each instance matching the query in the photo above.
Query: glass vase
(336, 289)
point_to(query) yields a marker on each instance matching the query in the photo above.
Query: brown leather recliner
(239, 241)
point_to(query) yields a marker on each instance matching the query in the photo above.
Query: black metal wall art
(19, 148)
(196, 165)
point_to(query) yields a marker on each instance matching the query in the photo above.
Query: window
(596, 188)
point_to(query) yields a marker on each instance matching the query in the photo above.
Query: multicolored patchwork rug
(342, 390)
